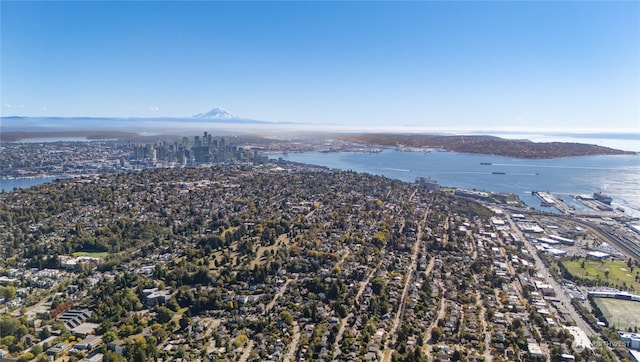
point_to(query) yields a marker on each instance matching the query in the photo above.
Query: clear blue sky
(503, 64)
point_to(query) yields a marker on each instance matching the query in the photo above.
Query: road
(486, 331)
(427, 347)
(278, 294)
(291, 353)
(343, 322)
(42, 306)
(247, 351)
(628, 247)
(560, 294)
(407, 282)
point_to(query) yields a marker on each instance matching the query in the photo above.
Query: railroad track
(628, 247)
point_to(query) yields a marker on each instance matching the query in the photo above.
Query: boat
(486, 163)
(602, 197)
(499, 173)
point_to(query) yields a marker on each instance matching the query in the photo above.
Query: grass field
(259, 259)
(93, 254)
(621, 313)
(260, 250)
(620, 274)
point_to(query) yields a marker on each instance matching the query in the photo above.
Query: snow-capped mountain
(216, 113)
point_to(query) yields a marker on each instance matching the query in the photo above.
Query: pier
(592, 203)
(549, 200)
(598, 210)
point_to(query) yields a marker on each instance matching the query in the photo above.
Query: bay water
(7, 185)
(616, 176)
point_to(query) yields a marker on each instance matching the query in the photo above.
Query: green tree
(377, 284)
(286, 317)
(8, 292)
(185, 321)
(9, 326)
(109, 336)
(26, 357)
(456, 356)
(140, 350)
(111, 356)
(36, 349)
(163, 314)
(436, 333)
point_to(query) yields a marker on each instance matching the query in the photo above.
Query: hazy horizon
(628, 141)
(569, 66)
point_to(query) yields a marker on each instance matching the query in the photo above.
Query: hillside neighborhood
(276, 261)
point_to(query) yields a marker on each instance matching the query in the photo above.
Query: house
(631, 340)
(74, 317)
(597, 255)
(154, 296)
(534, 350)
(98, 357)
(58, 350)
(118, 346)
(84, 329)
(89, 343)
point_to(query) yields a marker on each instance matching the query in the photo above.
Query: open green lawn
(260, 250)
(93, 254)
(619, 273)
(621, 313)
(259, 259)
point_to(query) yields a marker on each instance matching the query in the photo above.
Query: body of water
(23, 183)
(62, 139)
(617, 176)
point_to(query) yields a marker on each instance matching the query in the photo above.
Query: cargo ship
(602, 197)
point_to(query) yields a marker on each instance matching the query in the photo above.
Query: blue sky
(484, 65)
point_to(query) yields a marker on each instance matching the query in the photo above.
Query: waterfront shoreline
(566, 176)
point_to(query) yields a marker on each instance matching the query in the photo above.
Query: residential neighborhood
(288, 262)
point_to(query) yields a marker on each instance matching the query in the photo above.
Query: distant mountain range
(217, 116)
(14, 128)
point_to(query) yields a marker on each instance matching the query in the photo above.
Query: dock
(549, 200)
(592, 203)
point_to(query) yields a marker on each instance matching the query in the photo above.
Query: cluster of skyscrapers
(200, 150)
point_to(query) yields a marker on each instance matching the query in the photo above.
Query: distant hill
(14, 128)
(486, 145)
(14, 136)
(199, 121)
